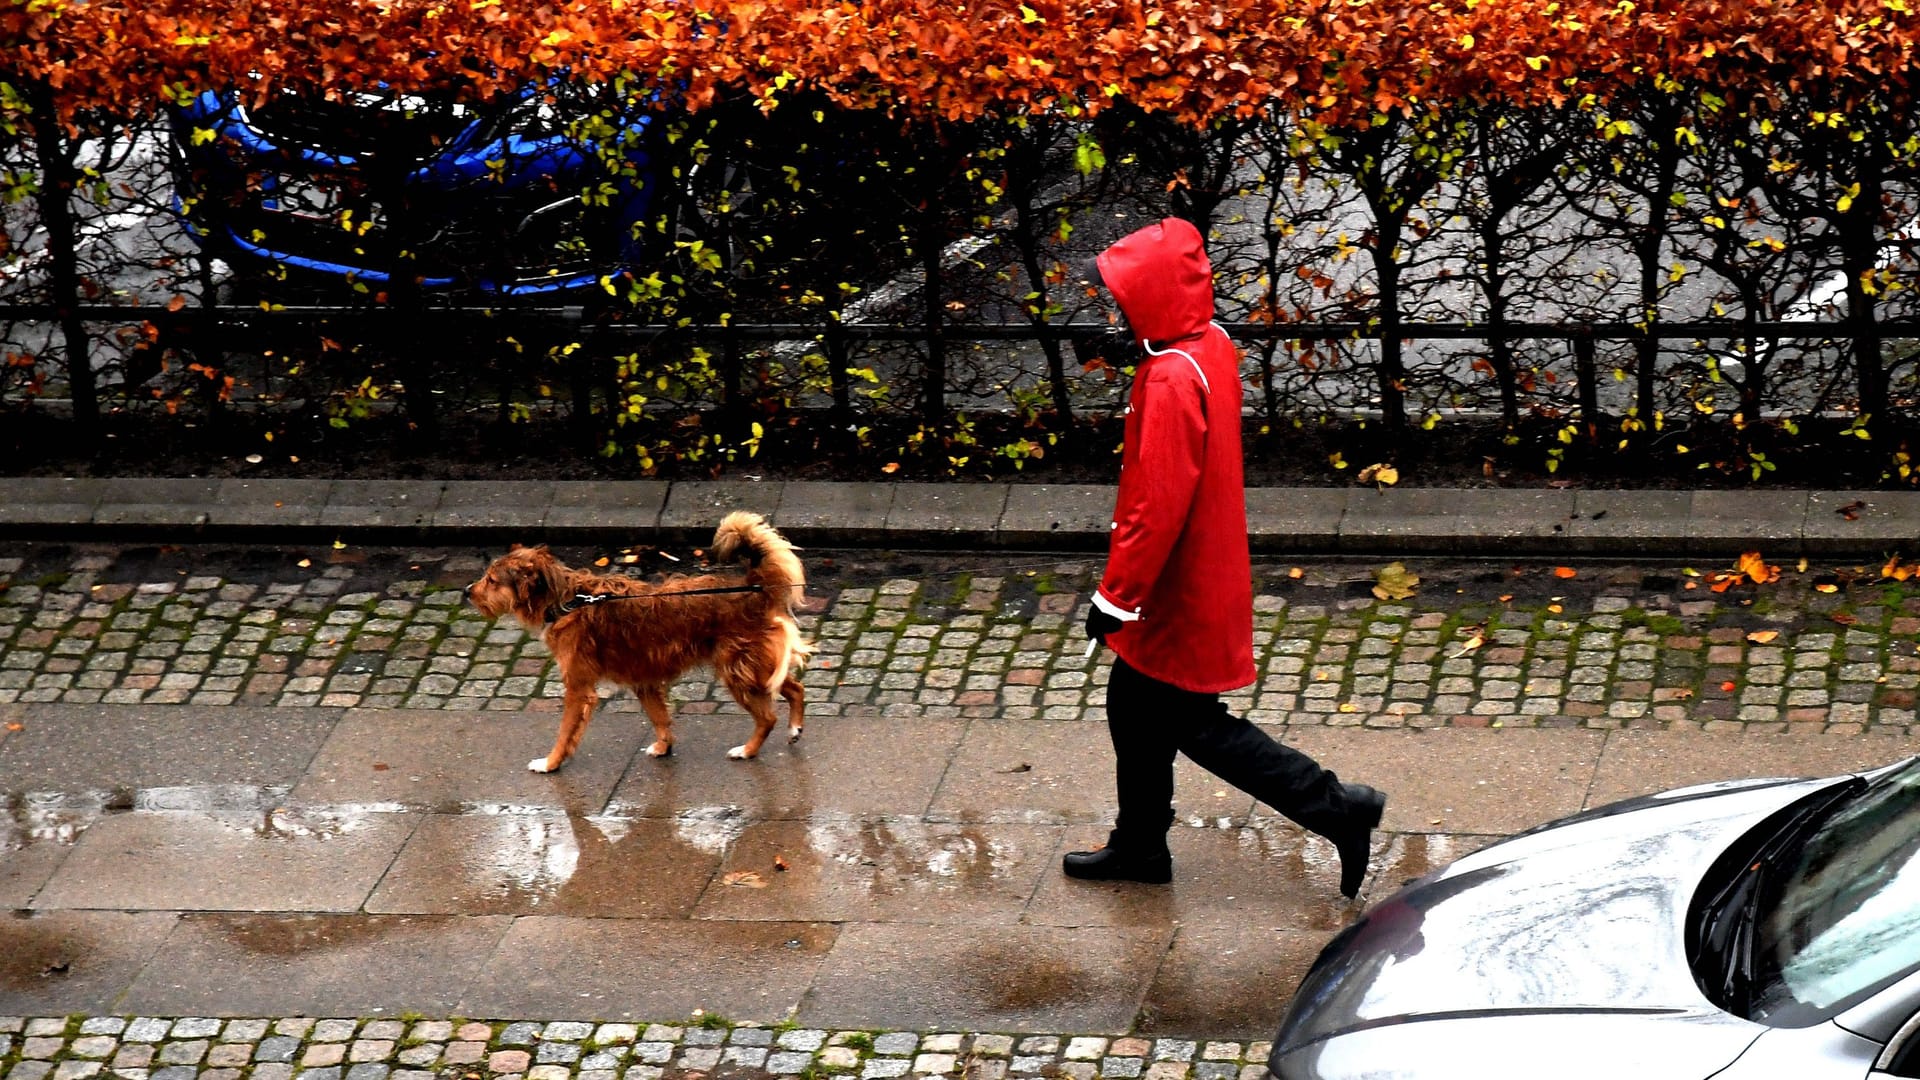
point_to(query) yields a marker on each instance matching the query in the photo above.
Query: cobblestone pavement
(306, 1048)
(1479, 644)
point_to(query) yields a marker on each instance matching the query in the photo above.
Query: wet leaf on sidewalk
(744, 878)
(1761, 637)
(1851, 511)
(1394, 582)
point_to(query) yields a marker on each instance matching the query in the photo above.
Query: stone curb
(1359, 521)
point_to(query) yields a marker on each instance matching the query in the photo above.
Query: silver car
(1759, 928)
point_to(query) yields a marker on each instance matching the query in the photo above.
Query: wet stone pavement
(945, 638)
(266, 812)
(207, 1048)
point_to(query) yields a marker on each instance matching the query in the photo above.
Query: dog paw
(659, 749)
(539, 765)
(739, 753)
(793, 736)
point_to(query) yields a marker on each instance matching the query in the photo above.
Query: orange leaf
(1727, 686)
(176, 303)
(1756, 568)
(1763, 636)
(1296, 573)
(1565, 572)
(1843, 618)
(1826, 586)
(890, 467)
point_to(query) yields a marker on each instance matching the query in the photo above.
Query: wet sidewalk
(269, 784)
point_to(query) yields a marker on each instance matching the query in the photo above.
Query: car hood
(1566, 941)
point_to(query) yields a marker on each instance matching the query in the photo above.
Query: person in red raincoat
(1176, 602)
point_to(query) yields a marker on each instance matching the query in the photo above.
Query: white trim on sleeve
(1100, 601)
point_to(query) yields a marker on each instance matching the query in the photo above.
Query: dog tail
(744, 536)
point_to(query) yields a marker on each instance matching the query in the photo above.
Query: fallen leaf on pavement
(1394, 582)
(1757, 569)
(16, 726)
(1296, 573)
(1727, 686)
(1018, 767)
(1826, 586)
(746, 878)
(1471, 644)
(1843, 618)
(780, 863)
(1763, 636)
(1851, 511)
(1565, 572)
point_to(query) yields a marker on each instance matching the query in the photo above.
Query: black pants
(1151, 721)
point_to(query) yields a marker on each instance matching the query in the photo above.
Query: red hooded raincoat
(1178, 572)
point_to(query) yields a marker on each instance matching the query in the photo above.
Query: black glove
(1100, 624)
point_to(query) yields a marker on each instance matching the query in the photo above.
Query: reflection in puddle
(524, 855)
(710, 829)
(44, 820)
(893, 855)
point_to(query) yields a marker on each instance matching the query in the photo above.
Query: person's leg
(1139, 723)
(1239, 752)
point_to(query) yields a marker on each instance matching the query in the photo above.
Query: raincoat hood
(1162, 280)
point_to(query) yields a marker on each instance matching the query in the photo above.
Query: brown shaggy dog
(750, 639)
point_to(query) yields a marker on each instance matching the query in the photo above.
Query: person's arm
(1157, 487)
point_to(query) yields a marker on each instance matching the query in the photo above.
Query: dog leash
(586, 600)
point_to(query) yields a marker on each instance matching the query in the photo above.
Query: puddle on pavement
(32, 955)
(891, 857)
(1014, 977)
(300, 935)
(49, 820)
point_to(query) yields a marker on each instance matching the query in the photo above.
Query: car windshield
(1845, 917)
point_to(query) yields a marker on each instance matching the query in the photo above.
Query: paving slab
(1226, 978)
(270, 502)
(937, 515)
(382, 504)
(587, 510)
(1015, 979)
(1724, 522)
(43, 502)
(906, 872)
(313, 965)
(156, 502)
(1862, 523)
(1626, 523)
(1303, 521)
(116, 748)
(842, 768)
(640, 969)
(453, 760)
(280, 860)
(694, 507)
(1451, 520)
(1462, 780)
(835, 512)
(493, 508)
(549, 864)
(1071, 516)
(56, 963)
(1059, 773)
(1643, 762)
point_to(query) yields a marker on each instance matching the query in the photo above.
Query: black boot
(1354, 839)
(1115, 862)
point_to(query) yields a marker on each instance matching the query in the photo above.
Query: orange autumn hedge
(1193, 59)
